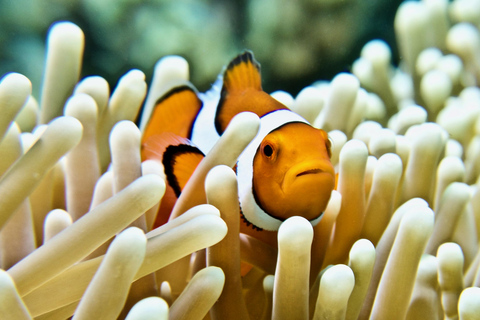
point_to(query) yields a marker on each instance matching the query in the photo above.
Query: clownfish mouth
(305, 172)
(310, 171)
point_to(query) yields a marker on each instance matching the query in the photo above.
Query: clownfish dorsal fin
(174, 112)
(241, 73)
(178, 155)
(242, 91)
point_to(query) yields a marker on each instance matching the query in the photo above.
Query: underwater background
(399, 238)
(296, 42)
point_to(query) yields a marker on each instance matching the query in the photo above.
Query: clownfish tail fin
(179, 158)
(180, 162)
(241, 73)
(178, 155)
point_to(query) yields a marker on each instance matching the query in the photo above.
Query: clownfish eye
(268, 150)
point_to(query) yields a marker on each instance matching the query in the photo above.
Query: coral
(399, 238)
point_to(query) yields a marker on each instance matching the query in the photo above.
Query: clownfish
(285, 171)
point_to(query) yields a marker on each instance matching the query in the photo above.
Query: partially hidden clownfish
(285, 171)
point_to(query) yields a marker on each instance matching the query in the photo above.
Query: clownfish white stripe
(204, 134)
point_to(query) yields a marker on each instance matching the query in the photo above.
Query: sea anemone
(398, 240)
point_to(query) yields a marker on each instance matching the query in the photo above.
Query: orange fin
(178, 155)
(174, 112)
(241, 73)
(180, 162)
(242, 91)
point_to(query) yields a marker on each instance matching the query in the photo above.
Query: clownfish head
(292, 172)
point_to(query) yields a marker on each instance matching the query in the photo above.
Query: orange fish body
(285, 171)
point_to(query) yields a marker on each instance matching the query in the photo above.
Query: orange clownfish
(285, 171)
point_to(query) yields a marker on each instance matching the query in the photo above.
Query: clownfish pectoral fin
(174, 112)
(178, 155)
